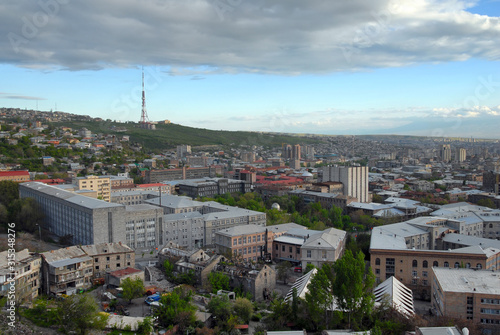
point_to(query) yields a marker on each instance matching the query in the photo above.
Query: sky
(406, 67)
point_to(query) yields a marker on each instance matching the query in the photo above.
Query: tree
(319, 299)
(80, 312)
(352, 286)
(486, 203)
(145, 327)
(132, 288)
(218, 281)
(221, 309)
(243, 308)
(282, 269)
(27, 214)
(176, 309)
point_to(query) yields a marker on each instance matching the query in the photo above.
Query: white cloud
(283, 37)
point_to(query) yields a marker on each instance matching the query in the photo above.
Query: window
(118, 257)
(117, 265)
(377, 271)
(435, 264)
(424, 274)
(470, 300)
(377, 261)
(457, 265)
(283, 248)
(323, 254)
(479, 266)
(467, 265)
(277, 247)
(425, 264)
(309, 253)
(96, 260)
(446, 265)
(97, 267)
(414, 263)
(290, 249)
(298, 250)
(107, 258)
(414, 274)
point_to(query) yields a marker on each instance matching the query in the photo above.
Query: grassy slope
(170, 135)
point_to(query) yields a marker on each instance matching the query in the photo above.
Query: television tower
(144, 115)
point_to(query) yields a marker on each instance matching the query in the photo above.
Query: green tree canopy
(218, 281)
(243, 308)
(176, 309)
(132, 288)
(80, 312)
(352, 287)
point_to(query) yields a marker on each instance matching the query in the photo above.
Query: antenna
(144, 115)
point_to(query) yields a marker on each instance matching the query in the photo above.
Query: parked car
(152, 298)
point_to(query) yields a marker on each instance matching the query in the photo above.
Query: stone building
(409, 251)
(65, 271)
(23, 271)
(259, 282)
(467, 294)
(109, 257)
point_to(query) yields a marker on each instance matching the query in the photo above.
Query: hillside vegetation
(170, 135)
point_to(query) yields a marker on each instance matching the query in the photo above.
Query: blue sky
(346, 67)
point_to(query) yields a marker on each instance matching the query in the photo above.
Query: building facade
(353, 178)
(109, 257)
(23, 271)
(467, 294)
(66, 271)
(99, 184)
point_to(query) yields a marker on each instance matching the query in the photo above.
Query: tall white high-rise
(353, 178)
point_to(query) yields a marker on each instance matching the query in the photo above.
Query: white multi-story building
(353, 178)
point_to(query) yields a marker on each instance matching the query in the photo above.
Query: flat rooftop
(468, 280)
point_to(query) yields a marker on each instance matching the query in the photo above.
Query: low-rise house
(325, 247)
(115, 278)
(23, 270)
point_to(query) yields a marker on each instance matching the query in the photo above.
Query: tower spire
(144, 115)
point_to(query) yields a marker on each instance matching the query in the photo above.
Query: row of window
(425, 264)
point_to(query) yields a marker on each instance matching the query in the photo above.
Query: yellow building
(100, 184)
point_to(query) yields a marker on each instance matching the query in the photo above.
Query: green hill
(170, 135)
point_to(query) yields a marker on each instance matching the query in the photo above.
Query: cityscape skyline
(428, 68)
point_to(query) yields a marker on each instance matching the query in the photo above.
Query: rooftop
(79, 200)
(106, 248)
(124, 272)
(468, 280)
(242, 230)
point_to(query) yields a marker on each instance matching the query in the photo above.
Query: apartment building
(156, 176)
(408, 251)
(24, 274)
(109, 257)
(353, 178)
(99, 184)
(193, 224)
(210, 187)
(66, 270)
(17, 176)
(250, 242)
(467, 294)
(87, 220)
